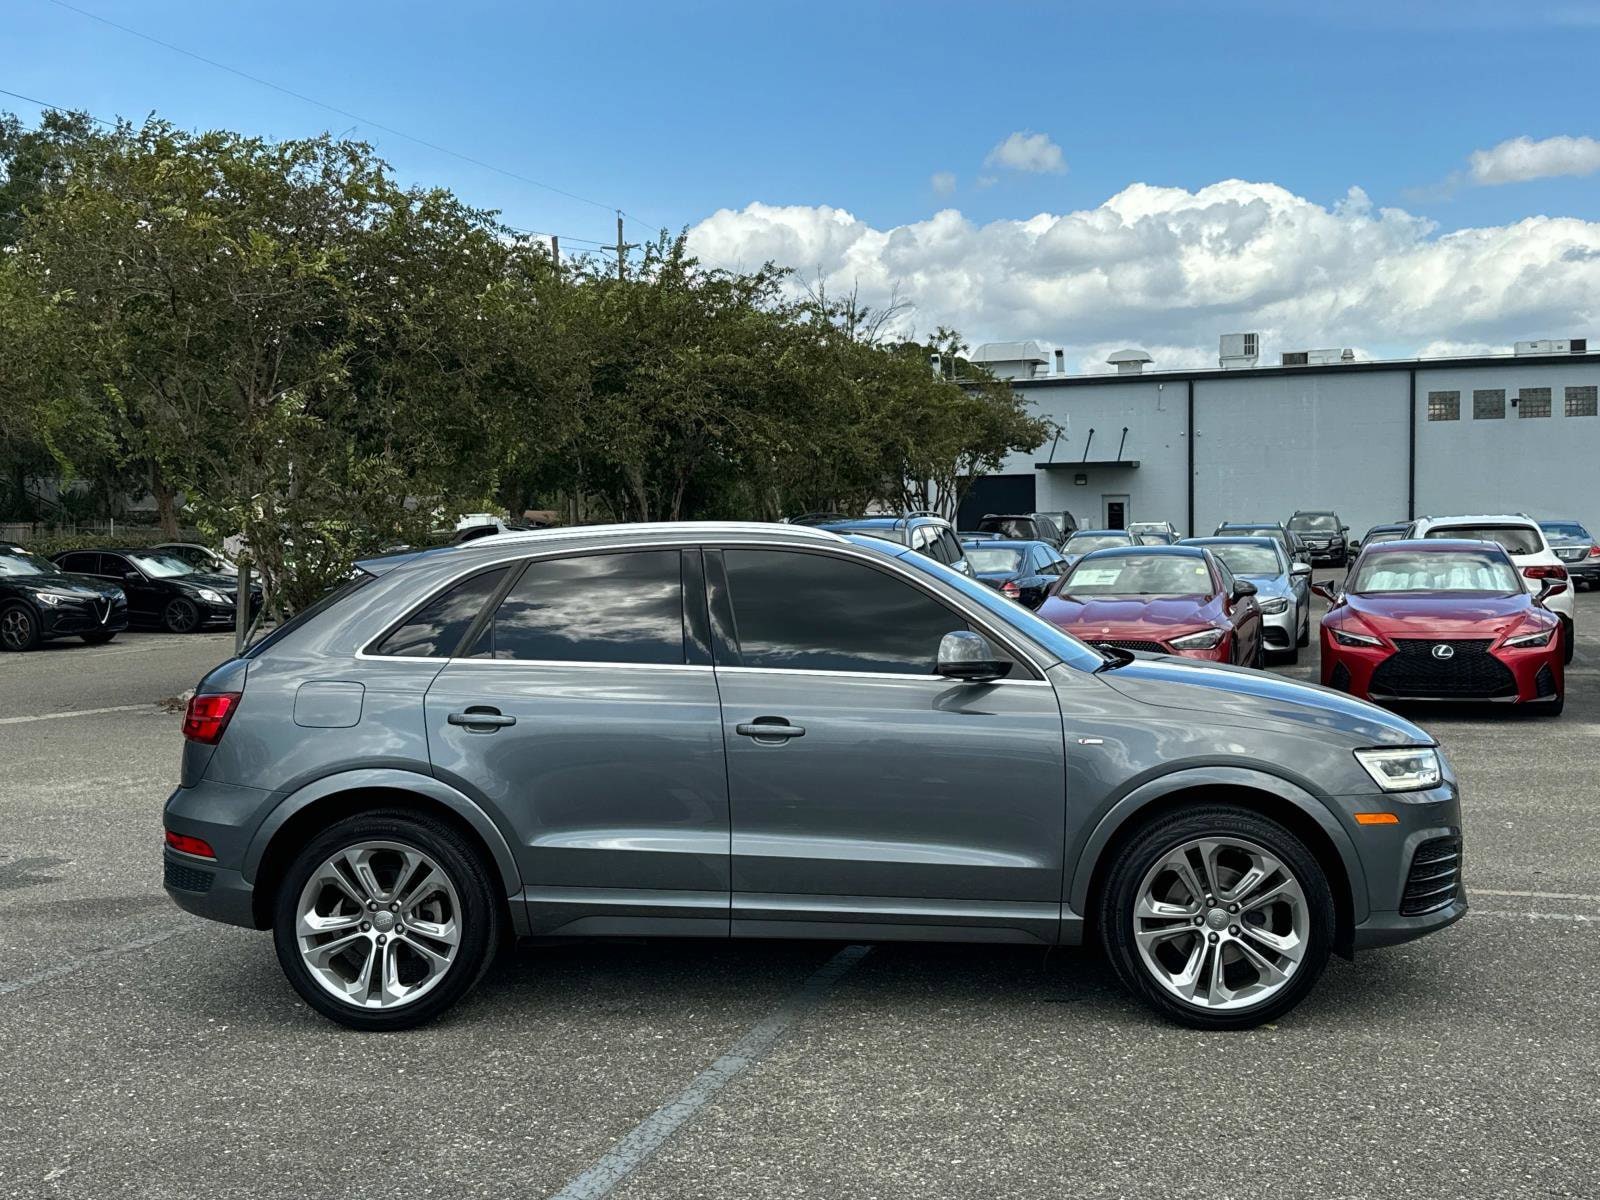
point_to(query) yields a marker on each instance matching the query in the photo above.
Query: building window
(1444, 406)
(1581, 401)
(1489, 404)
(1533, 402)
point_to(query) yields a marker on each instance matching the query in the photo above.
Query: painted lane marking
(1576, 918)
(1472, 891)
(7, 986)
(652, 1133)
(79, 712)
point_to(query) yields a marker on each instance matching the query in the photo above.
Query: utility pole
(622, 249)
(555, 251)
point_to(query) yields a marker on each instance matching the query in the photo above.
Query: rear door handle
(769, 729)
(481, 718)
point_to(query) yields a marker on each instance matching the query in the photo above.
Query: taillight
(190, 845)
(1545, 572)
(1010, 588)
(1594, 551)
(208, 716)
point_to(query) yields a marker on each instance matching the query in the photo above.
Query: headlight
(1542, 638)
(1404, 769)
(1276, 605)
(210, 597)
(52, 598)
(1204, 640)
(1343, 637)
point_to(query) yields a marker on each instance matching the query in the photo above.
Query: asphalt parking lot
(150, 1054)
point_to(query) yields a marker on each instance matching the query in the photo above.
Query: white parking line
(1472, 891)
(7, 986)
(1577, 918)
(650, 1134)
(78, 712)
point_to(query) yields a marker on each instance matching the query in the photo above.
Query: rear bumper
(201, 887)
(224, 816)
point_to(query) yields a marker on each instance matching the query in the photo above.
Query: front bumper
(1323, 556)
(1280, 630)
(73, 618)
(1404, 899)
(1535, 676)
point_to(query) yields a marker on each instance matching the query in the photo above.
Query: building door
(1116, 511)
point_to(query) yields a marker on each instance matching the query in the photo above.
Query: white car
(1528, 547)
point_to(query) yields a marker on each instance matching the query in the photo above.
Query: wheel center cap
(1218, 919)
(383, 921)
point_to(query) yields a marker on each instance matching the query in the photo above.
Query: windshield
(993, 562)
(1139, 575)
(17, 563)
(1249, 560)
(1082, 543)
(1430, 571)
(1565, 531)
(161, 566)
(1315, 522)
(1517, 539)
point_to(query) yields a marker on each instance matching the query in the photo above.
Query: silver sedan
(1283, 588)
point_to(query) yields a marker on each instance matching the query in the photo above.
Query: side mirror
(967, 655)
(1344, 529)
(131, 577)
(1325, 590)
(1549, 587)
(1299, 570)
(1243, 588)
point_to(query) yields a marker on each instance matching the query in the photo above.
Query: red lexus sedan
(1165, 599)
(1442, 620)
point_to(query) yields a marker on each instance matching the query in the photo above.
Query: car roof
(1101, 532)
(1265, 543)
(1314, 512)
(1178, 551)
(1251, 525)
(1480, 519)
(1431, 545)
(989, 543)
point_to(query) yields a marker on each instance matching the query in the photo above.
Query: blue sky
(674, 111)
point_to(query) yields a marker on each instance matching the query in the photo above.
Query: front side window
(595, 608)
(1436, 571)
(1517, 539)
(436, 629)
(814, 612)
(1140, 575)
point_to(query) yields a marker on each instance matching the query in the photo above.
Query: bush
(53, 543)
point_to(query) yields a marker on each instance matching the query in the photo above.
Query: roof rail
(633, 529)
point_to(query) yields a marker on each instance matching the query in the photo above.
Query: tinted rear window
(597, 608)
(436, 629)
(1517, 539)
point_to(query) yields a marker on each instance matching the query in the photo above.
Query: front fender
(390, 779)
(1190, 778)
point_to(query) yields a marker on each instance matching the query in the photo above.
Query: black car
(1027, 527)
(1024, 571)
(1394, 531)
(38, 600)
(163, 591)
(1324, 534)
(1577, 549)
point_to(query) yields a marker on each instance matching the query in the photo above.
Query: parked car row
(96, 594)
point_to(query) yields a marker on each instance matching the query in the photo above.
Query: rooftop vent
(1239, 350)
(1130, 361)
(1553, 346)
(1012, 360)
(1317, 358)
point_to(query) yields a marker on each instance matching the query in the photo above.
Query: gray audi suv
(774, 731)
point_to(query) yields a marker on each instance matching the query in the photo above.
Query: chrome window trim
(931, 677)
(1014, 641)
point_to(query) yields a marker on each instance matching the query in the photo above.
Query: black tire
(98, 639)
(19, 628)
(1259, 661)
(1303, 638)
(1138, 855)
(480, 917)
(1569, 639)
(180, 616)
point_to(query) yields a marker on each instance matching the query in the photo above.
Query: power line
(221, 66)
(113, 125)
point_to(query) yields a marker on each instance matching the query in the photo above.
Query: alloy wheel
(1221, 923)
(16, 629)
(181, 616)
(378, 924)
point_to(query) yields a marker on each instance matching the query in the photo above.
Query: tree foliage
(283, 338)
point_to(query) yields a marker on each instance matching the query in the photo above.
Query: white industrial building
(1375, 441)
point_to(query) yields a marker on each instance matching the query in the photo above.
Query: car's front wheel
(180, 616)
(385, 920)
(1217, 918)
(19, 628)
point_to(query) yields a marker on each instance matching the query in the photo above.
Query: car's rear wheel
(19, 628)
(1217, 918)
(385, 920)
(99, 638)
(180, 616)
(1568, 639)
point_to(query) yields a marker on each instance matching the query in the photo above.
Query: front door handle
(774, 730)
(481, 718)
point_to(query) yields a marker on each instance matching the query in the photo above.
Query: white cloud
(942, 182)
(1031, 152)
(1168, 270)
(1522, 158)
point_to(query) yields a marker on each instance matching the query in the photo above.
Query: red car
(1442, 620)
(1165, 599)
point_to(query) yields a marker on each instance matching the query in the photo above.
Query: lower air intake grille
(1340, 678)
(1544, 683)
(1153, 647)
(1435, 878)
(188, 879)
(1450, 669)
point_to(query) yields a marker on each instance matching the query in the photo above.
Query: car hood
(205, 579)
(73, 584)
(1432, 615)
(1251, 697)
(1158, 617)
(1271, 585)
